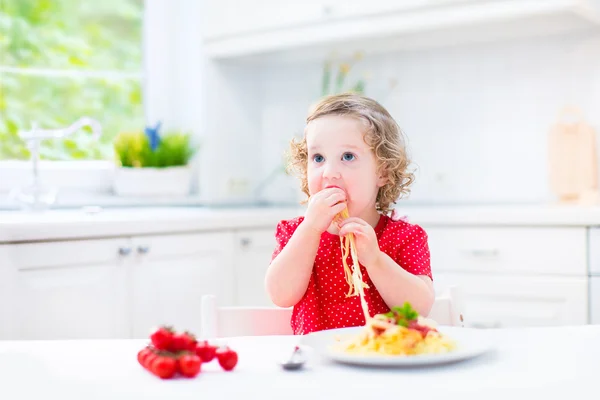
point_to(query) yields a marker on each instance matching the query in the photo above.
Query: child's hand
(365, 238)
(323, 207)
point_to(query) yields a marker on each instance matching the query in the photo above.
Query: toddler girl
(352, 156)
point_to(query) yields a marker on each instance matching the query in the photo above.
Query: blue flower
(153, 135)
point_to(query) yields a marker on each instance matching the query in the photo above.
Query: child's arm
(396, 285)
(289, 273)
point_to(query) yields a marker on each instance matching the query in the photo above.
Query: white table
(528, 362)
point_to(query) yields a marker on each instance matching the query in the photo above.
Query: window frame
(92, 177)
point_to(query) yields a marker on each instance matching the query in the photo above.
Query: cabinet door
(595, 300)
(68, 290)
(171, 273)
(233, 17)
(6, 286)
(494, 301)
(227, 18)
(361, 8)
(252, 257)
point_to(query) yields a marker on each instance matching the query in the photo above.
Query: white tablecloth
(527, 362)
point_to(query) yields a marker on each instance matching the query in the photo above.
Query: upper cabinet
(234, 29)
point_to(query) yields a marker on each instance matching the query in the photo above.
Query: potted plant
(151, 164)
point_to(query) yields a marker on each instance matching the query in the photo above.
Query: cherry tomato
(164, 367)
(183, 341)
(142, 355)
(189, 365)
(227, 358)
(162, 337)
(149, 359)
(205, 351)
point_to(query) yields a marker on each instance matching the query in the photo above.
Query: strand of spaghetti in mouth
(354, 278)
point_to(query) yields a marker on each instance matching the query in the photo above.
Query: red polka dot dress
(324, 304)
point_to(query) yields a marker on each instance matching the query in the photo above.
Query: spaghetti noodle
(400, 332)
(383, 335)
(353, 275)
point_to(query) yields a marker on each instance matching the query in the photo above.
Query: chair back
(243, 321)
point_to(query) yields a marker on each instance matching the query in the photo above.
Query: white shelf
(444, 24)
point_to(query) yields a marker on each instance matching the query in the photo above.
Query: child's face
(338, 156)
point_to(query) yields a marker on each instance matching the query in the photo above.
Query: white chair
(217, 322)
(242, 321)
(448, 308)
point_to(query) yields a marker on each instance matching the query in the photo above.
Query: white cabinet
(65, 290)
(170, 273)
(228, 18)
(595, 299)
(233, 17)
(494, 301)
(254, 249)
(509, 250)
(6, 284)
(112, 288)
(235, 29)
(514, 276)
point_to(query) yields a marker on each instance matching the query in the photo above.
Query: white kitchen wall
(476, 116)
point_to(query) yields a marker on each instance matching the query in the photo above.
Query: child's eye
(318, 158)
(348, 157)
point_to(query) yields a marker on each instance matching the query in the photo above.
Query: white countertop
(526, 363)
(17, 226)
(64, 224)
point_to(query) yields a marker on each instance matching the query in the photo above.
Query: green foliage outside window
(40, 41)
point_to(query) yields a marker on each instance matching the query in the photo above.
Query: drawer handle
(143, 249)
(489, 253)
(492, 325)
(124, 251)
(245, 242)
(327, 11)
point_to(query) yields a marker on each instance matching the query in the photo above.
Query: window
(64, 59)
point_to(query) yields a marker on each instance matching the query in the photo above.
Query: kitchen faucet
(36, 196)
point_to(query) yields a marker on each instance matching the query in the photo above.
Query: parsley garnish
(403, 315)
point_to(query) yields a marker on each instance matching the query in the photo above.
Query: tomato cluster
(171, 353)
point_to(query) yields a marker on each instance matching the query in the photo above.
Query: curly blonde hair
(382, 135)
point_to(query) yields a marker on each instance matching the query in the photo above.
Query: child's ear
(382, 180)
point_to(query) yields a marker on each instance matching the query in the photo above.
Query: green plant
(142, 150)
(335, 85)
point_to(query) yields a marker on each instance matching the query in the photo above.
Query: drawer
(555, 251)
(498, 301)
(263, 238)
(64, 253)
(160, 247)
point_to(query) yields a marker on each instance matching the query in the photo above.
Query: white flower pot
(155, 182)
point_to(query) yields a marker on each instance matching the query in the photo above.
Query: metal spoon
(296, 360)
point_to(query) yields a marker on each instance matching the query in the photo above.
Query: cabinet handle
(245, 242)
(490, 253)
(124, 251)
(143, 249)
(481, 325)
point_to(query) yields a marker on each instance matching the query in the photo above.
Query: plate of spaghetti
(398, 338)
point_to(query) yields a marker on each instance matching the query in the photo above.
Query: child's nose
(331, 171)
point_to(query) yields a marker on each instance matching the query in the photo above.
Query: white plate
(470, 343)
